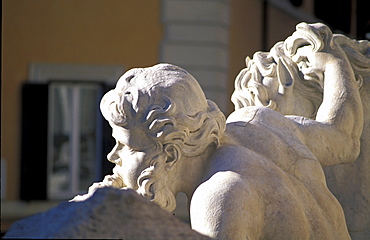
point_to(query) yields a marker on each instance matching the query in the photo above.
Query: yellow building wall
(117, 32)
(246, 26)
(280, 26)
(99, 32)
(245, 36)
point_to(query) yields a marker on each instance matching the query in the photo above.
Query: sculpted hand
(109, 181)
(313, 48)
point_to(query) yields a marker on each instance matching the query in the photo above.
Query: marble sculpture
(110, 213)
(259, 173)
(292, 86)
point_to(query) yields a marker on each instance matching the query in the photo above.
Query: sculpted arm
(335, 135)
(109, 181)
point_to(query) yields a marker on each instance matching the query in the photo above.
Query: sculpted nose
(113, 155)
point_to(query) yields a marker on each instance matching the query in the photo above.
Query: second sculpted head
(159, 116)
(274, 80)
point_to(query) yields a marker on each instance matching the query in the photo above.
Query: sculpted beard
(154, 184)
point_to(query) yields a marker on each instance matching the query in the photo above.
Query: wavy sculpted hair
(168, 104)
(250, 91)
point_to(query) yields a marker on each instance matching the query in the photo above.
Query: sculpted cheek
(132, 170)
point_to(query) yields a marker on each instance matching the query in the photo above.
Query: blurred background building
(60, 57)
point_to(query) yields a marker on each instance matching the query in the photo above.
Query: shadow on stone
(109, 213)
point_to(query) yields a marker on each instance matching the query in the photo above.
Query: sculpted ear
(173, 155)
(285, 76)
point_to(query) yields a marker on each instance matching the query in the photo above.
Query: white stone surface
(303, 96)
(261, 178)
(109, 213)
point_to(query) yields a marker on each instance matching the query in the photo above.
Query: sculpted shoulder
(262, 124)
(235, 169)
(276, 137)
(264, 118)
(239, 184)
(259, 115)
(222, 204)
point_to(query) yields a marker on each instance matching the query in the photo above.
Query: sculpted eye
(130, 150)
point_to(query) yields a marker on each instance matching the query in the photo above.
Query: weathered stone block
(108, 213)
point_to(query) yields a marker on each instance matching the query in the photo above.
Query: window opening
(74, 138)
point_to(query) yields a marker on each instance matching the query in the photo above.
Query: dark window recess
(108, 141)
(34, 143)
(335, 13)
(363, 19)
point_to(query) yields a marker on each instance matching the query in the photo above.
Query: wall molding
(196, 37)
(44, 72)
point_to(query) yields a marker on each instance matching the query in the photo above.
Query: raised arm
(334, 137)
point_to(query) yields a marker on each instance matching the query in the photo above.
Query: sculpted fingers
(114, 181)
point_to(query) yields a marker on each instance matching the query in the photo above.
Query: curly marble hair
(249, 87)
(168, 104)
(319, 35)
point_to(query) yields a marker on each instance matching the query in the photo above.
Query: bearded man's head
(169, 106)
